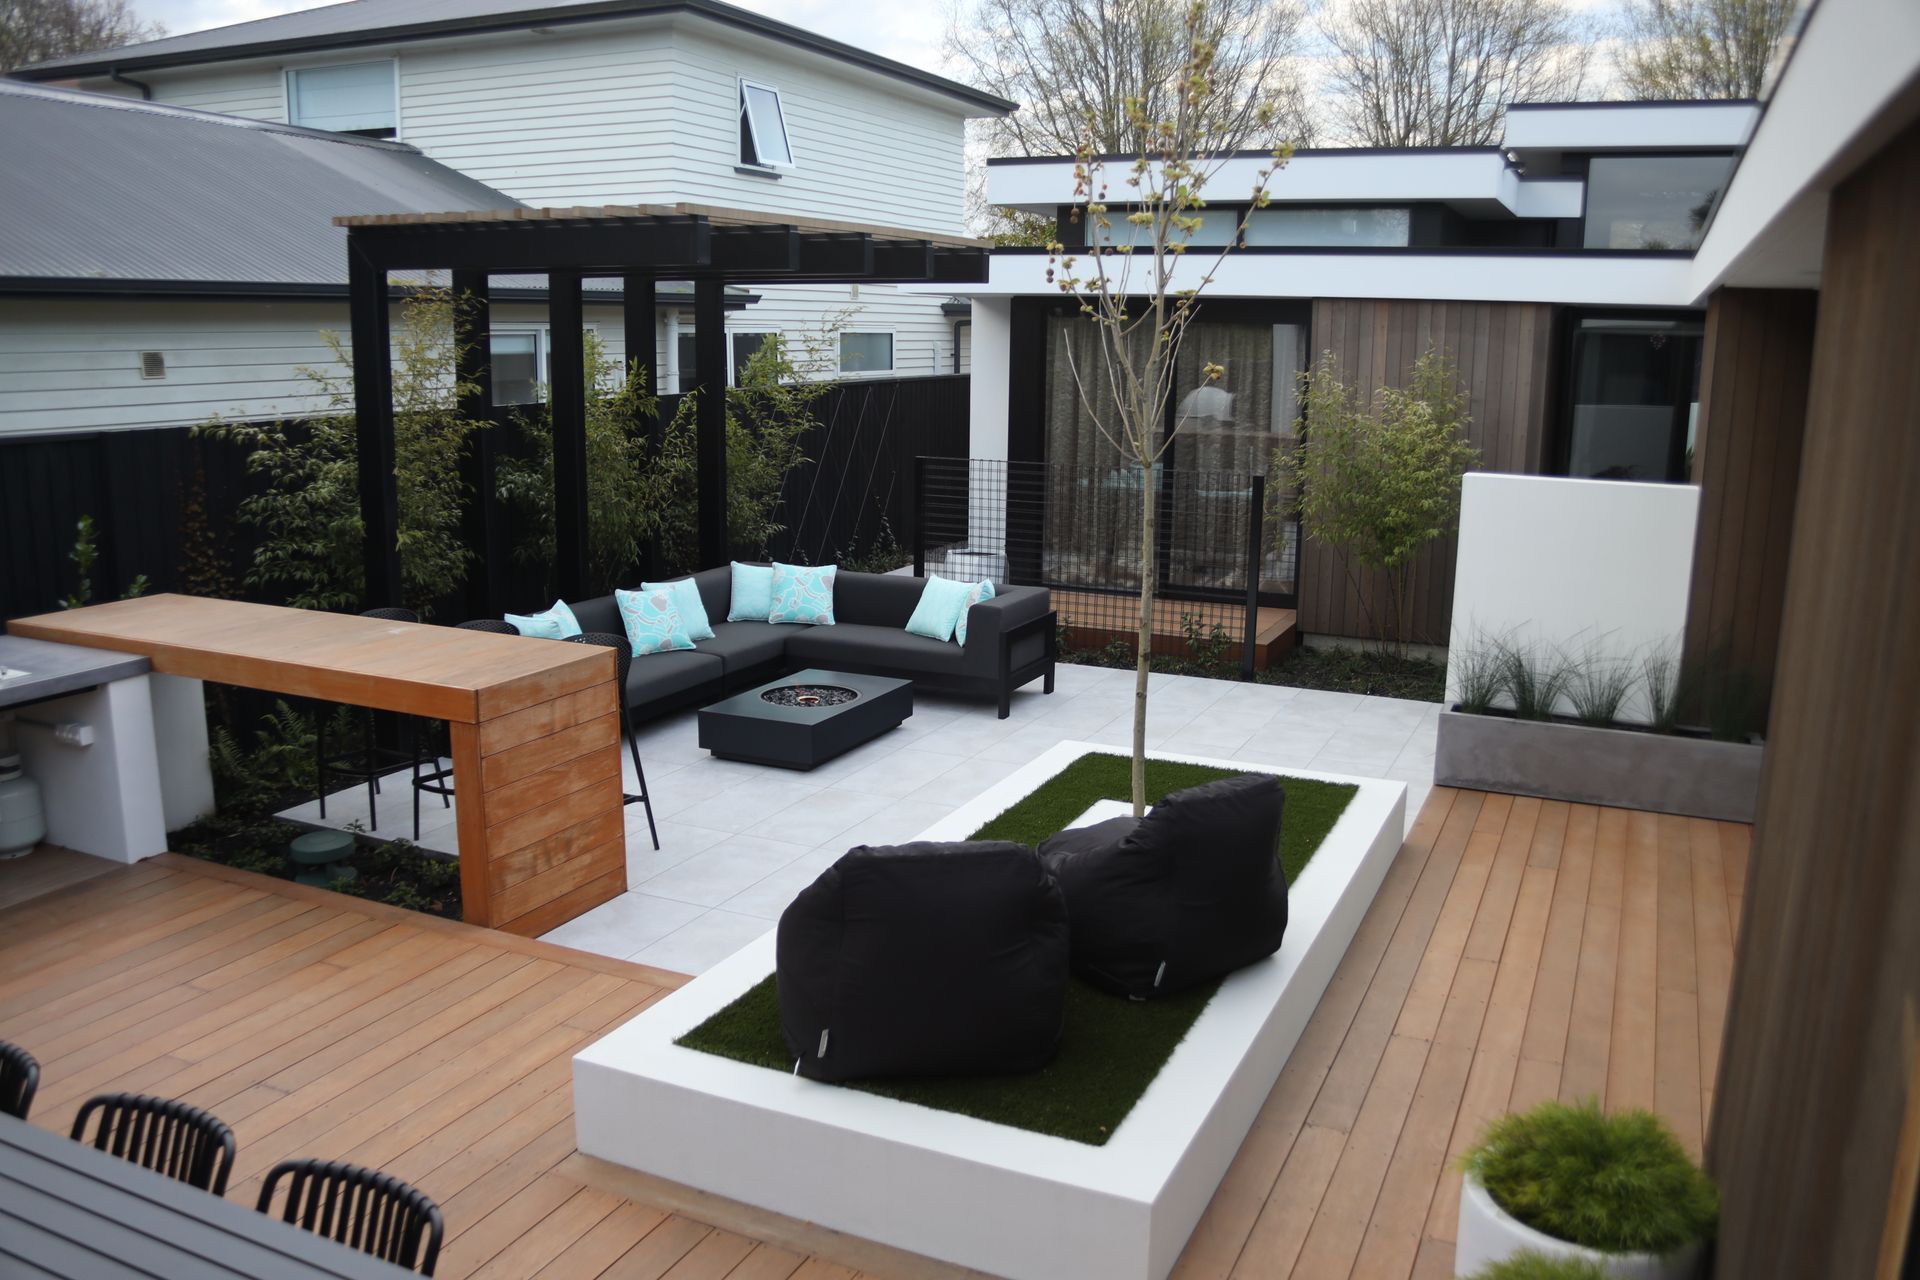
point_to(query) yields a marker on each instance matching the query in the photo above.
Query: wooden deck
(1093, 621)
(1518, 950)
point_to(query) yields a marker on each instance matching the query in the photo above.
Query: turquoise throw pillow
(653, 624)
(686, 598)
(556, 623)
(752, 597)
(981, 590)
(938, 612)
(802, 593)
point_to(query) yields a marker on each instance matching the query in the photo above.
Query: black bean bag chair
(1190, 892)
(924, 959)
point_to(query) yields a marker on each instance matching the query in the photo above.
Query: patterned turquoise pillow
(941, 603)
(653, 624)
(981, 590)
(752, 598)
(686, 598)
(802, 593)
(556, 623)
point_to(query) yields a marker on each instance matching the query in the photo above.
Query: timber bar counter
(534, 724)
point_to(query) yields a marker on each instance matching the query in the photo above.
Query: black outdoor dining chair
(438, 779)
(168, 1137)
(371, 760)
(19, 1080)
(623, 655)
(361, 1208)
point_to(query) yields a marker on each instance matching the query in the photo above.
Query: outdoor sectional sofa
(1010, 641)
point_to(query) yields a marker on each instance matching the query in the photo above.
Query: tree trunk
(1143, 653)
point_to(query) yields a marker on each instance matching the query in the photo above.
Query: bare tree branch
(1701, 48)
(35, 30)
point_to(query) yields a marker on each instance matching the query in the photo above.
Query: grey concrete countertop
(48, 670)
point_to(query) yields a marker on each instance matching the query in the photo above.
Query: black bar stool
(623, 655)
(367, 764)
(438, 779)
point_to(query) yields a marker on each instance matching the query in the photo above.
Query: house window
(1652, 202)
(745, 347)
(517, 366)
(356, 98)
(866, 353)
(763, 128)
(1635, 398)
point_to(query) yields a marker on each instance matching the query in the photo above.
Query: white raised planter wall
(1487, 1233)
(1600, 565)
(1003, 1200)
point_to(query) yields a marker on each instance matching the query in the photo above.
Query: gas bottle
(23, 819)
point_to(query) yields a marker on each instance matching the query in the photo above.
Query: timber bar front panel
(535, 727)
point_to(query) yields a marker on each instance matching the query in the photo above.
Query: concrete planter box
(1488, 1234)
(1625, 768)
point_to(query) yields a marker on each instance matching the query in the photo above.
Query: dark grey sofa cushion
(852, 644)
(741, 645)
(876, 599)
(599, 614)
(676, 673)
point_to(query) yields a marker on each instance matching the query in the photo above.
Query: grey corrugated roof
(363, 22)
(101, 189)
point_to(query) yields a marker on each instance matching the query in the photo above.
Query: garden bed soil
(396, 872)
(1111, 1048)
(1336, 670)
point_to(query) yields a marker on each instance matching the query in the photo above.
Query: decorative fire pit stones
(808, 695)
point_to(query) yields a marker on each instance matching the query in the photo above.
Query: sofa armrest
(991, 621)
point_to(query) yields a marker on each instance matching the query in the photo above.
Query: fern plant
(1619, 1183)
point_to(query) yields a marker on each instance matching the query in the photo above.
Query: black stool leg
(320, 757)
(373, 774)
(641, 775)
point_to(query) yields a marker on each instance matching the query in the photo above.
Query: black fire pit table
(805, 719)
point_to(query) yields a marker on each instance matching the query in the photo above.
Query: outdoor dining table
(68, 1210)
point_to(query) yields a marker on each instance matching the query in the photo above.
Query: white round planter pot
(1487, 1233)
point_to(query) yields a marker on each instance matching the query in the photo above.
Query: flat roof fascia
(1320, 177)
(1852, 81)
(1630, 126)
(1576, 278)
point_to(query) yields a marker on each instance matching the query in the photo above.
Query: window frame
(893, 354)
(542, 358)
(733, 359)
(1585, 174)
(744, 115)
(287, 74)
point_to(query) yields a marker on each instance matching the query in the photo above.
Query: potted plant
(1529, 1265)
(1567, 1181)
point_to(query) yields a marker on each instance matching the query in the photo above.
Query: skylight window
(763, 128)
(354, 98)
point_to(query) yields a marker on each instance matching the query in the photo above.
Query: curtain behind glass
(1093, 489)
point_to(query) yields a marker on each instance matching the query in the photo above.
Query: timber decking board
(1512, 947)
(519, 699)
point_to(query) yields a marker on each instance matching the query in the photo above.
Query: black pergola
(640, 246)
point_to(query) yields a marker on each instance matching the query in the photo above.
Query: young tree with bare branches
(35, 30)
(1701, 48)
(1440, 73)
(1076, 67)
(1136, 283)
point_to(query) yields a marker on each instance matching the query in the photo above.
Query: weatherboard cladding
(103, 188)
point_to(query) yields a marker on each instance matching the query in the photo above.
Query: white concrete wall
(103, 799)
(1600, 566)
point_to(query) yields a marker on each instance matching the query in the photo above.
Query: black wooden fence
(148, 490)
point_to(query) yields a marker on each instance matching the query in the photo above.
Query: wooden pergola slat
(641, 245)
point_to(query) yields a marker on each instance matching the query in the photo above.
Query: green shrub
(1619, 1183)
(1529, 1265)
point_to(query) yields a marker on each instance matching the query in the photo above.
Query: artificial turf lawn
(1111, 1048)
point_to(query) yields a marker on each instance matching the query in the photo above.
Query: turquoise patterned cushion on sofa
(981, 590)
(653, 624)
(556, 623)
(686, 598)
(802, 593)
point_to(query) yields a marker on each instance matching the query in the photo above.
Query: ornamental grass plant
(1616, 1183)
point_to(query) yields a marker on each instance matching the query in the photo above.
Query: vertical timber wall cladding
(1816, 1124)
(1503, 353)
(1753, 417)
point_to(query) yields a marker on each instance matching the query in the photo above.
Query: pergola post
(373, 427)
(637, 292)
(473, 368)
(567, 395)
(710, 373)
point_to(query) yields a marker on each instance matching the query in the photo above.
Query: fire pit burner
(809, 695)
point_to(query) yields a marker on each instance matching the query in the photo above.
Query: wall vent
(153, 364)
